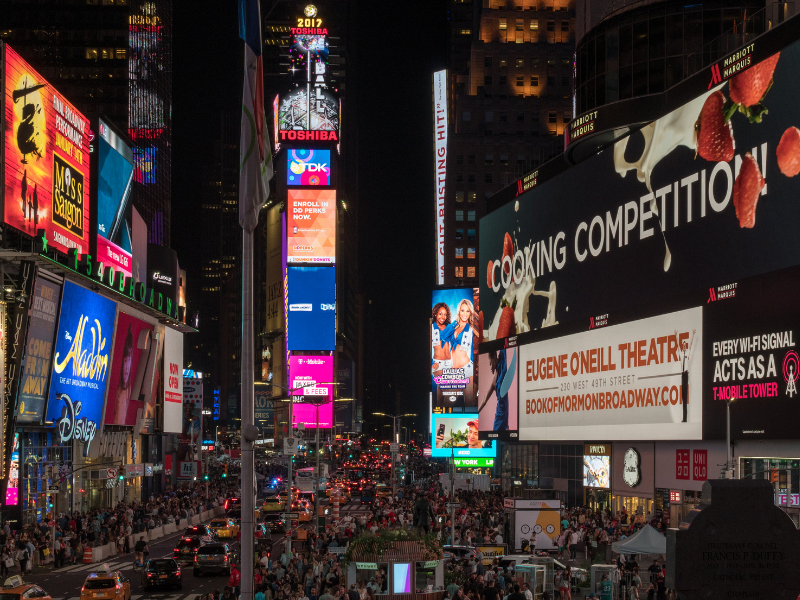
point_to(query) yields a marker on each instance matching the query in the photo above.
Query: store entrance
(597, 500)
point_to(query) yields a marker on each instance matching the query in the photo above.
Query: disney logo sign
(83, 430)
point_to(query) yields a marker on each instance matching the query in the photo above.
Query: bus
(305, 478)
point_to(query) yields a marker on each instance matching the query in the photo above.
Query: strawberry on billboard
(46, 165)
(703, 196)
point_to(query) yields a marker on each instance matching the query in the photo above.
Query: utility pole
(452, 494)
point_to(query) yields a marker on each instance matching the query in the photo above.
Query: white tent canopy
(645, 541)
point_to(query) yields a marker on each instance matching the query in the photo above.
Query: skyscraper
(110, 58)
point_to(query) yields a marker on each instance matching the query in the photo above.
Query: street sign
(453, 505)
(111, 473)
(52, 488)
(290, 516)
(394, 448)
(290, 446)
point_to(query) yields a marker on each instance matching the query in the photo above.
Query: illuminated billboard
(498, 393)
(114, 182)
(80, 364)
(46, 182)
(304, 373)
(454, 338)
(308, 167)
(132, 338)
(456, 435)
(312, 308)
(440, 164)
(645, 374)
(597, 471)
(304, 117)
(311, 227)
(657, 213)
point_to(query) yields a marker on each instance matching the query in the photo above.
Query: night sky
(397, 48)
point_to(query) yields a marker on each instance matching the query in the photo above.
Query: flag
(255, 169)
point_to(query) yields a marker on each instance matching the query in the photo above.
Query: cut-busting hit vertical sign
(440, 163)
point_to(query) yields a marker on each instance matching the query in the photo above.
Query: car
(224, 528)
(108, 585)
(274, 522)
(233, 503)
(214, 558)
(15, 589)
(204, 532)
(309, 496)
(187, 548)
(162, 572)
(273, 503)
(382, 490)
(367, 494)
(301, 508)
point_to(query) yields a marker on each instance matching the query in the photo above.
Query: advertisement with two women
(454, 337)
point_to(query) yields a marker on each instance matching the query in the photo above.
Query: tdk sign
(301, 167)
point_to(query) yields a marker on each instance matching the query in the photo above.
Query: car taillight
(177, 550)
(195, 558)
(178, 572)
(226, 559)
(83, 589)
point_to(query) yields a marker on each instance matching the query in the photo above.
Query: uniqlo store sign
(691, 465)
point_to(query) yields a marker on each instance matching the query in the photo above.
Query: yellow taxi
(274, 502)
(15, 589)
(224, 528)
(383, 490)
(109, 585)
(301, 507)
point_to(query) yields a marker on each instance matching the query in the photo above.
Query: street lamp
(394, 441)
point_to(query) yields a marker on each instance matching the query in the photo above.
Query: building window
(565, 62)
(487, 178)
(551, 26)
(567, 116)
(91, 53)
(534, 24)
(470, 235)
(551, 81)
(459, 215)
(459, 234)
(460, 159)
(535, 116)
(520, 80)
(488, 116)
(534, 63)
(519, 24)
(565, 81)
(564, 26)
(459, 178)
(551, 62)
(520, 117)
(503, 62)
(504, 160)
(471, 178)
(466, 116)
(471, 159)
(521, 165)
(459, 272)
(534, 80)
(472, 196)
(503, 25)
(503, 80)
(459, 253)
(504, 117)
(489, 161)
(465, 31)
(519, 39)
(520, 63)
(470, 252)
(459, 196)
(471, 272)
(470, 215)
(487, 61)
(552, 117)
(487, 80)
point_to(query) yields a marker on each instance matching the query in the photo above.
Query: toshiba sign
(600, 382)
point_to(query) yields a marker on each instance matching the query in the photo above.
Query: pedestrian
(573, 544)
(234, 580)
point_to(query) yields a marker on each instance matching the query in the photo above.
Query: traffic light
(205, 477)
(121, 477)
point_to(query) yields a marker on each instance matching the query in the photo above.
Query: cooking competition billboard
(311, 227)
(456, 435)
(498, 394)
(454, 339)
(644, 375)
(46, 164)
(662, 211)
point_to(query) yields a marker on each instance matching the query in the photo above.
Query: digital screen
(311, 226)
(597, 471)
(401, 578)
(12, 490)
(312, 308)
(308, 167)
(46, 159)
(498, 394)
(654, 214)
(305, 372)
(132, 336)
(454, 339)
(81, 363)
(114, 182)
(457, 435)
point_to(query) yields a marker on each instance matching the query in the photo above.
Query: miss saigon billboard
(46, 162)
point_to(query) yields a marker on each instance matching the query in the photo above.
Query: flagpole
(248, 417)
